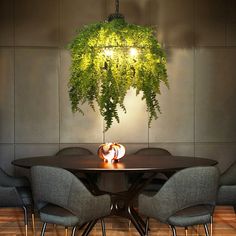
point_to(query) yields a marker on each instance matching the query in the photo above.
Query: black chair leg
(173, 230)
(43, 228)
(234, 209)
(73, 231)
(26, 220)
(89, 227)
(103, 228)
(82, 226)
(206, 230)
(147, 227)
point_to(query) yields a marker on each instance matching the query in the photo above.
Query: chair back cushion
(60, 187)
(10, 181)
(229, 176)
(153, 151)
(53, 185)
(74, 151)
(188, 187)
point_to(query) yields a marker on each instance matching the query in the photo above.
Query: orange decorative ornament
(111, 152)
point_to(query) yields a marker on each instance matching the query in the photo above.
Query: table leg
(136, 222)
(122, 202)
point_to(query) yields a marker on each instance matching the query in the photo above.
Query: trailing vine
(109, 58)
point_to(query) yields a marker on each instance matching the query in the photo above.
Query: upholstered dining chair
(160, 178)
(62, 199)
(74, 151)
(186, 199)
(227, 187)
(80, 151)
(15, 192)
(153, 151)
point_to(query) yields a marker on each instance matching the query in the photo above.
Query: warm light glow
(133, 52)
(108, 52)
(111, 152)
(108, 59)
(110, 165)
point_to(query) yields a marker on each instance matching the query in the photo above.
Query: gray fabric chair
(74, 151)
(62, 199)
(227, 187)
(160, 178)
(80, 151)
(153, 151)
(15, 192)
(186, 199)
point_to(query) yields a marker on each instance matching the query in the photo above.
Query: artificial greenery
(109, 58)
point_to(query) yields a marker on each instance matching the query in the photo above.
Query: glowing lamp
(133, 52)
(108, 52)
(111, 152)
(111, 57)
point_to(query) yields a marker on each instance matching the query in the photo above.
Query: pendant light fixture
(108, 58)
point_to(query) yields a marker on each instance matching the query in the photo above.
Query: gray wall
(198, 112)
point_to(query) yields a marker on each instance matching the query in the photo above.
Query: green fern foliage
(109, 58)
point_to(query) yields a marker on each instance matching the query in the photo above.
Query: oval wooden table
(122, 202)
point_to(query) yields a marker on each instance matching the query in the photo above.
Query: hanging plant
(109, 58)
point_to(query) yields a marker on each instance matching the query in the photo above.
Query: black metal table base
(122, 202)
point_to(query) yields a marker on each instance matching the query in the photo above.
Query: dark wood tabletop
(129, 163)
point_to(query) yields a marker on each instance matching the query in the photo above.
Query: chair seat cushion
(57, 215)
(26, 195)
(195, 215)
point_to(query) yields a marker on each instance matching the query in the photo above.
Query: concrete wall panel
(215, 95)
(231, 23)
(76, 128)
(6, 95)
(74, 14)
(36, 23)
(175, 124)
(36, 95)
(6, 23)
(224, 153)
(174, 21)
(210, 22)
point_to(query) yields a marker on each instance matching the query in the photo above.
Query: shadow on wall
(172, 29)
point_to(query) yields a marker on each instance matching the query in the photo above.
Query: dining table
(85, 166)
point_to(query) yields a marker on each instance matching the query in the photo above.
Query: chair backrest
(74, 151)
(9, 196)
(229, 176)
(188, 187)
(153, 151)
(4, 178)
(10, 181)
(55, 185)
(60, 187)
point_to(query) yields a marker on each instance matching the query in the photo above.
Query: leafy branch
(109, 58)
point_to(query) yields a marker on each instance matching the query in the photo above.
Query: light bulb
(108, 52)
(133, 52)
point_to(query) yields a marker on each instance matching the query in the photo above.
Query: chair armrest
(91, 207)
